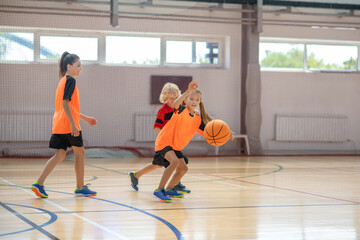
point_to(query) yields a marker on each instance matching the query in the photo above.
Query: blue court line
(172, 227)
(205, 208)
(34, 225)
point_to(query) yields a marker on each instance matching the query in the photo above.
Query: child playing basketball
(66, 130)
(169, 93)
(175, 135)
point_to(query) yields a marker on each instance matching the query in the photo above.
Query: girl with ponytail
(174, 136)
(66, 129)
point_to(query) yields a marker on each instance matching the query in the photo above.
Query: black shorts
(63, 141)
(159, 157)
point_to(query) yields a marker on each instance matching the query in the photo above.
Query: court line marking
(208, 208)
(286, 189)
(74, 214)
(52, 215)
(172, 227)
(235, 185)
(280, 168)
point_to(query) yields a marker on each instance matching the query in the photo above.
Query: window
(207, 53)
(53, 47)
(191, 52)
(45, 45)
(281, 55)
(132, 50)
(308, 54)
(178, 51)
(331, 57)
(16, 46)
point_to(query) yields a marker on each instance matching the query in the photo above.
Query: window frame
(19, 61)
(221, 47)
(64, 34)
(130, 65)
(306, 42)
(101, 48)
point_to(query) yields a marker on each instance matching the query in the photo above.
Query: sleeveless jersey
(66, 89)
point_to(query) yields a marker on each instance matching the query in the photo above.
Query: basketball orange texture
(216, 132)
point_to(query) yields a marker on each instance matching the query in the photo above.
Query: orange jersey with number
(66, 89)
(179, 131)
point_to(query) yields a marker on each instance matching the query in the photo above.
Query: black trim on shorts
(63, 141)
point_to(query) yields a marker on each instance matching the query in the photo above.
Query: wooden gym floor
(264, 198)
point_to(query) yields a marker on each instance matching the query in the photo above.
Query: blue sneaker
(173, 193)
(84, 192)
(161, 195)
(39, 190)
(181, 188)
(134, 180)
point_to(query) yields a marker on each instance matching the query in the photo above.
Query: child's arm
(193, 85)
(74, 129)
(89, 120)
(157, 130)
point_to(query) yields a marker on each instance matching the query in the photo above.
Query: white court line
(74, 214)
(235, 185)
(36, 210)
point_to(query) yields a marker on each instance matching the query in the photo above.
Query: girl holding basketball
(169, 93)
(66, 130)
(175, 135)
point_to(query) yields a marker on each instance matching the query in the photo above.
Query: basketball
(217, 132)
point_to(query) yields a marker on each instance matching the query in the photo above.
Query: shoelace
(87, 185)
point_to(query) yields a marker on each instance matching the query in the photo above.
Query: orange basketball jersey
(61, 124)
(179, 131)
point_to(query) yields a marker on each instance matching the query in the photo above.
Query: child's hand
(91, 121)
(193, 85)
(231, 136)
(74, 131)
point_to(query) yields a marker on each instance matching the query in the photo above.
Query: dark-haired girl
(66, 130)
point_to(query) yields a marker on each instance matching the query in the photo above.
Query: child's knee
(183, 168)
(175, 162)
(79, 152)
(60, 154)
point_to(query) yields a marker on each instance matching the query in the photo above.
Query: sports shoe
(84, 191)
(134, 180)
(39, 190)
(161, 195)
(173, 193)
(181, 188)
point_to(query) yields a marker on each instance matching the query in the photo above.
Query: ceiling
(214, 11)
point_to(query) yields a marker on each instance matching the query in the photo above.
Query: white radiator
(144, 127)
(312, 127)
(25, 125)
